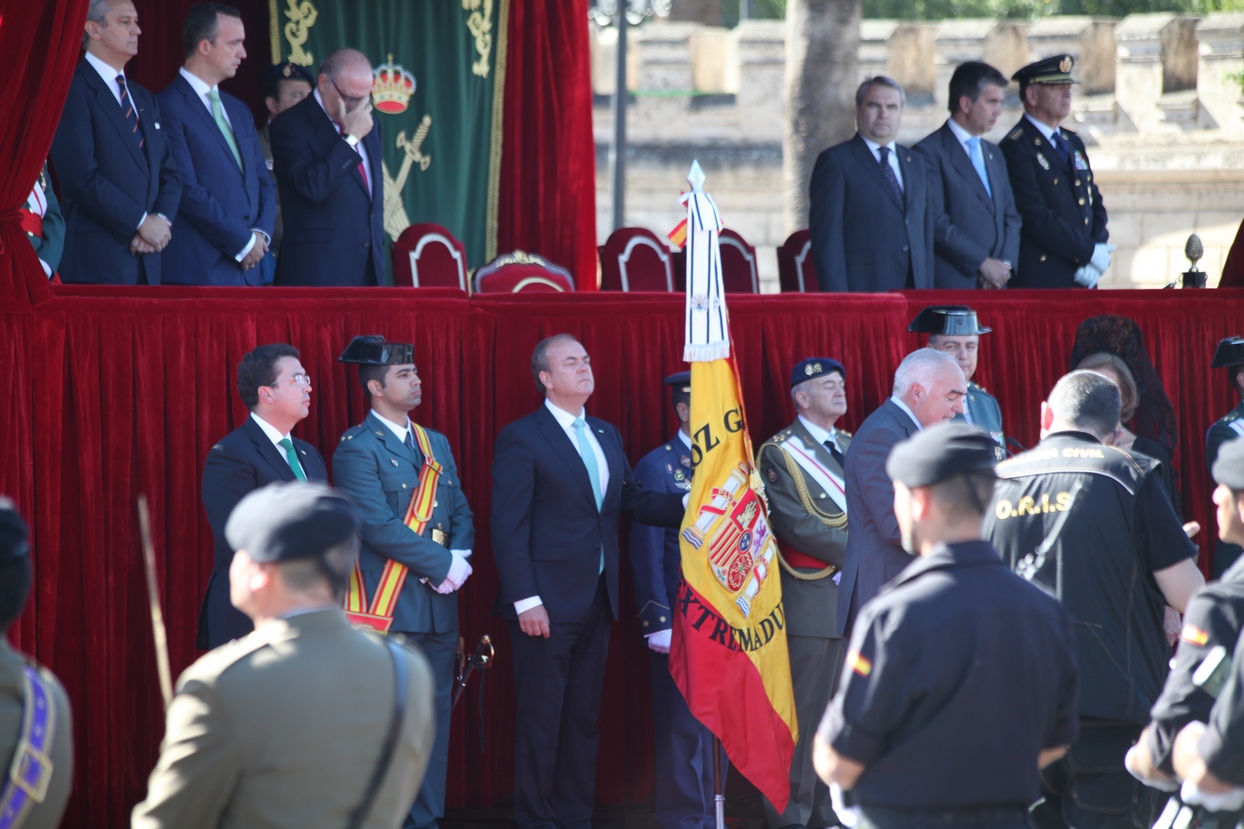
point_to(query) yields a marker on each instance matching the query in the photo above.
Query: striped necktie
(127, 107)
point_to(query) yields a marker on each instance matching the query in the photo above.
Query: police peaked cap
(948, 320)
(13, 533)
(270, 80)
(1051, 70)
(679, 382)
(1230, 352)
(372, 350)
(294, 520)
(941, 452)
(814, 367)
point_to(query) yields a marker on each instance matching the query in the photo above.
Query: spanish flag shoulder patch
(1193, 634)
(859, 663)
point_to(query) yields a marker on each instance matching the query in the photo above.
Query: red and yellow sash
(379, 615)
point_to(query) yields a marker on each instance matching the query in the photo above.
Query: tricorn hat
(372, 350)
(1230, 352)
(949, 320)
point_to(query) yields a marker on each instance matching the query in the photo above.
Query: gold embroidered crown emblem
(1064, 65)
(392, 87)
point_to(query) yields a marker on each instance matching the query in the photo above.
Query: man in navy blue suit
(327, 157)
(683, 747)
(118, 184)
(224, 226)
(275, 387)
(929, 388)
(560, 482)
(869, 217)
(976, 234)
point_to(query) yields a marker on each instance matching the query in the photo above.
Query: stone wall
(1159, 106)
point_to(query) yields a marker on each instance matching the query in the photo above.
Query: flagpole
(719, 793)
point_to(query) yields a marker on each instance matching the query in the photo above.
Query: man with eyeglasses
(326, 154)
(274, 386)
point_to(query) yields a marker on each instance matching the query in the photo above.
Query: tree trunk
(822, 72)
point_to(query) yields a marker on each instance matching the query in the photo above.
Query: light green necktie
(292, 457)
(593, 469)
(218, 113)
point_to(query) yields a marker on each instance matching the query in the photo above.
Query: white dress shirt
(875, 148)
(109, 75)
(819, 434)
(909, 412)
(1046, 130)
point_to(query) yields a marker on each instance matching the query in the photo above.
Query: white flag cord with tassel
(708, 330)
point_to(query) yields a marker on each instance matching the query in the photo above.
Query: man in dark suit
(976, 229)
(560, 482)
(870, 218)
(274, 386)
(683, 747)
(929, 388)
(417, 532)
(118, 184)
(1063, 241)
(327, 155)
(802, 470)
(228, 199)
(284, 84)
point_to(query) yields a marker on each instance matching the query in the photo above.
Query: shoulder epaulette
(353, 432)
(845, 433)
(1064, 129)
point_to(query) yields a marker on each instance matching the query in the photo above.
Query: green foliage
(1032, 9)
(758, 10)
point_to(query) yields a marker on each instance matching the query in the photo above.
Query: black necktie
(127, 108)
(833, 450)
(888, 172)
(1060, 145)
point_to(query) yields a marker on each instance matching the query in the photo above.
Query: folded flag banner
(728, 654)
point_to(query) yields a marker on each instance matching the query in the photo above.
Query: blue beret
(1229, 465)
(282, 522)
(680, 382)
(815, 367)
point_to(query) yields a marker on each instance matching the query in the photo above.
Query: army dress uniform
(381, 472)
(958, 674)
(807, 510)
(1101, 567)
(683, 747)
(1057, 197)
(1228, 355)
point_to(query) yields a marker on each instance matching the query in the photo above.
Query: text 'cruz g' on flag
(728, 655)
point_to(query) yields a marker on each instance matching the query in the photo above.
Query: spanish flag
(728, 655)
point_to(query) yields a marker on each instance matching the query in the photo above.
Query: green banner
(439, 70)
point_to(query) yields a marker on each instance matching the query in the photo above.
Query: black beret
(1229, 465)
(1052, 70)
(374, 351)
(13, 533)
(949, 320)
(1230, 352)
(815, 367)
(286, 71)
(680, 382)
(282, 522)
(941, 452)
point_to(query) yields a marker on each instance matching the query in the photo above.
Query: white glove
(660, 641)
(459, 571)
(847, 815)
(1087, 276)
(1231, 801)
(1165, 784)
(1101, 256)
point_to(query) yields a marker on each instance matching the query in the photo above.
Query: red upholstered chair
(738, 264)
(510, 273)
(636, 259)
(428, 256)
(796, 271)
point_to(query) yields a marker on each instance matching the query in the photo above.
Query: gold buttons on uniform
(1086, 221)
(1042, 259)
(662, 619)
(403, 486)
(1077, 182)
(1082, 202)
(1056, 180)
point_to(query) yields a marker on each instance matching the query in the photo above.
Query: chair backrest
(510, 273)
(738, 264)
(428, 256)
(796, 271)
(636, 259)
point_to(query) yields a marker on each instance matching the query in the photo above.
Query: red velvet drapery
(130, 391)
(548, 154)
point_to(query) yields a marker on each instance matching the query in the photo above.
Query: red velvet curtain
(115, 393)
(548, 154)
